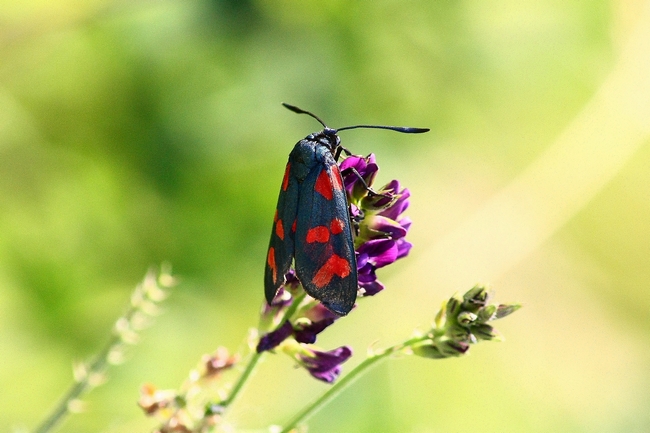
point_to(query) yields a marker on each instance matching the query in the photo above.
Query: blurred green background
(138, 132)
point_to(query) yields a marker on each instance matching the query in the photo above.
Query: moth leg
(371, 192)
(340, 149)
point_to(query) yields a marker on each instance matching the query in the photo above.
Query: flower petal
(326, 366)
(400, 205)
(274, 338)
(403, 248)
(386, 225)
(307, 334)
(367, 169)
(371, 288)
(381, 252)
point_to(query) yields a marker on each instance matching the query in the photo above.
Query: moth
(312, 224)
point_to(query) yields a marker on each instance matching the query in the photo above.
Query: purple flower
(385, 237)
(366, 167)
(379, 252)
(368, 280)
(372, 255)
(274, 338)
(318, 318)
(400, 205)
(310, 323)
(390, 228)
(282, 300)
(307, 333)
(355, 213)
(325, 366)
(403, 246)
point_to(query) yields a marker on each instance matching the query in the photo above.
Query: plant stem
(147, 292)
(255, 357)
(77, 389)
(239, 385)
(344, 382)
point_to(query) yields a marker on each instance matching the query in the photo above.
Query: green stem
(255, 358)
(294, 306)
(239, 385)
(101, 361)
(344, 382)
(77, 389)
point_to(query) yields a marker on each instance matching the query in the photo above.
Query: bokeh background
(133, 133)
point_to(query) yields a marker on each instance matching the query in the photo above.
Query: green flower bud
(475, 298)
(466, 318)
(428, 351)
(457, 333)
(484, 332)
(486, 313)
(378, 202)
(504, 310)
(453, 348)
(440, 316)
(453, 307)
(461, 322)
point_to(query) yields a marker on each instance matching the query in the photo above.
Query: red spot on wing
(318, 234)
(293, 226)
(335, 265)
(336, 178)
(285, 180)
(271, 262)
(279, 229)
(324, 185)
(336, 226)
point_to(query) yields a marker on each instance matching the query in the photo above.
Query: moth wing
(325, 258)
(281, 245)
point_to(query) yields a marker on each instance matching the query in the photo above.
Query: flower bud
(274, 338)
(400, 204)
(466, 318)
(486, 313)
(221, 360)
(451, 348)
(504, 310)
(475, 298)
(378, 202)
(325, 366)
(366, 167)
(457, 333)
(461, 322)
(440, 318)
(428, 351)
(484, 332)
(453, 307)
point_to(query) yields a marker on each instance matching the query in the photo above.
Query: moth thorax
(328, 138)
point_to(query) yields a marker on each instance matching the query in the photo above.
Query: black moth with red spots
(312, 222)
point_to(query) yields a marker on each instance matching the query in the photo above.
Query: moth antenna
(301, 111)
(404, 129)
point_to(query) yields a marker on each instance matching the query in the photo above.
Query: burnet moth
(312, 221)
